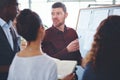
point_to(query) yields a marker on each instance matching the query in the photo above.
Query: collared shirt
(56, 41)
(6, 28)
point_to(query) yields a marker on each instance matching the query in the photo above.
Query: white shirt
(40, 67)
(6, 29)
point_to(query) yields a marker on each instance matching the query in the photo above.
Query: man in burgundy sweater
(61, 41)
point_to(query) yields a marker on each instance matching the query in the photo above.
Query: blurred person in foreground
(103, 60)
(9, 41)
(31, 63)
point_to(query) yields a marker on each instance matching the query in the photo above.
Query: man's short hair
(59, 5)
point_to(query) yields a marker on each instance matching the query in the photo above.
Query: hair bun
(26, 12)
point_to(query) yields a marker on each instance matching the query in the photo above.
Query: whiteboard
(116, 12)
(97, 17)
(84, 19)
(88, 21)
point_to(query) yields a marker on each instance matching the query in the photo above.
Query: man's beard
(58, 25)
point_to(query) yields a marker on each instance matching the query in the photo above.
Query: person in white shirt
(31, 63)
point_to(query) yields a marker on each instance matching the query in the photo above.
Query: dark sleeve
(89, 73)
